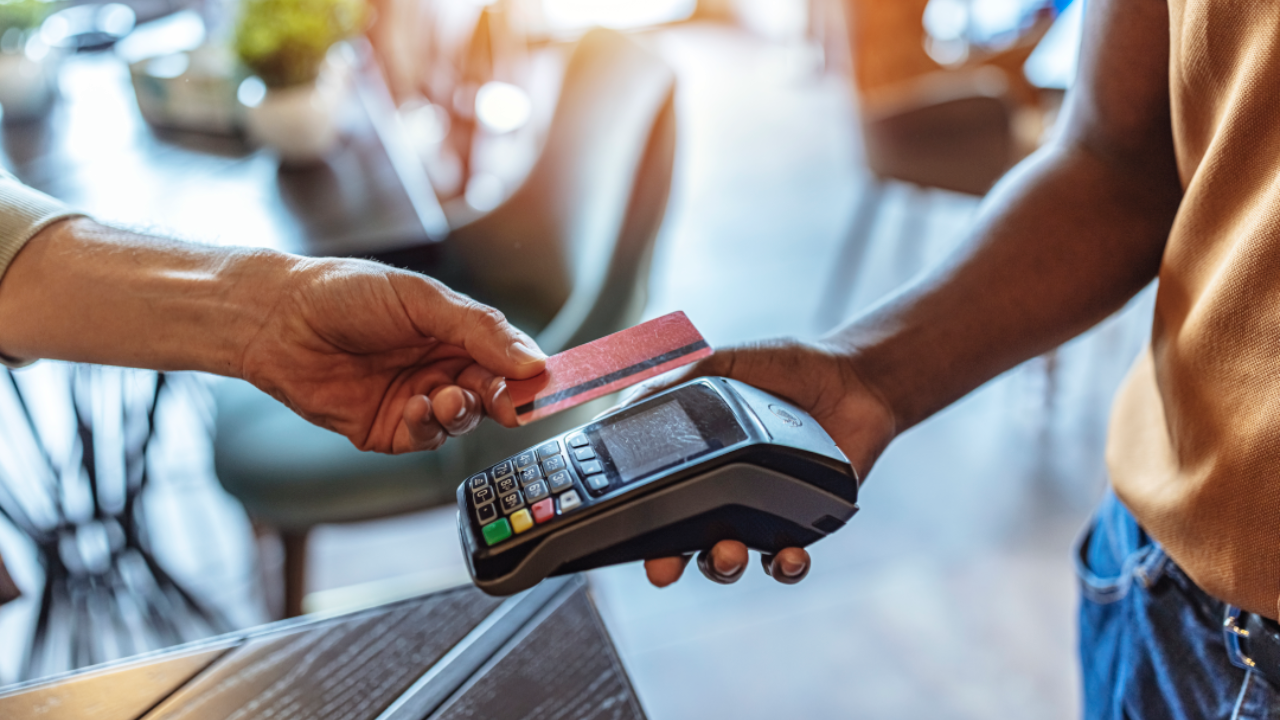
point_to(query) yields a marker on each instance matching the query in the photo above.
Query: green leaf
(285, 41)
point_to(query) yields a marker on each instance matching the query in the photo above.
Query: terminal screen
(653, 440)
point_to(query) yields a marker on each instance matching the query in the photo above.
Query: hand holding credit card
(607, 365)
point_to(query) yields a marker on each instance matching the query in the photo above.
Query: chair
(931, 126)
(566, 256)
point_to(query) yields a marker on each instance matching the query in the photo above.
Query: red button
(543, 511)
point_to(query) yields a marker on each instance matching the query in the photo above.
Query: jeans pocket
(1113, 553)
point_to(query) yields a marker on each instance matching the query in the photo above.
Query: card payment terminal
(709, 460)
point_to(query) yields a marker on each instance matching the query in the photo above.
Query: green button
(496, 531)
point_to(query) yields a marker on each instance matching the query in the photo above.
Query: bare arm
(1063, 241)
(391, 359)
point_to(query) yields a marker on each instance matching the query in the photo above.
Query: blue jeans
(1152, 643)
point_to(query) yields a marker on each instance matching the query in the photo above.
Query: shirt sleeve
(23, 213)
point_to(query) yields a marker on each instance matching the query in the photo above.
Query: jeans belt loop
(1253, 641)
(1234, 632)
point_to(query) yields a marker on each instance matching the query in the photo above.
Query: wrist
(252, 284)
(860, 352)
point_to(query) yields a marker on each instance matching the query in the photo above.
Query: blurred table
(453, 654)
(96, 152)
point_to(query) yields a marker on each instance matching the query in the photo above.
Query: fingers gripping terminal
(709, 460)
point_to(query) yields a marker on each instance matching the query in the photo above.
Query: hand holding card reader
(712, 459)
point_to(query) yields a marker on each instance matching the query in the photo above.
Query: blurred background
(771, 167)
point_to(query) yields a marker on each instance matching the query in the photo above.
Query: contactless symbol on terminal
(785, 416)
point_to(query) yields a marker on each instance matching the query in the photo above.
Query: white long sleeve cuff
(23, 213)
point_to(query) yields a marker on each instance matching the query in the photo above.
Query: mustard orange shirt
(1194, 446)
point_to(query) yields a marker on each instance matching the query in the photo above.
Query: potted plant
(28, 67)
(284, 43)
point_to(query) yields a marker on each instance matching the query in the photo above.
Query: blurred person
(393, 360)
(1162, 168)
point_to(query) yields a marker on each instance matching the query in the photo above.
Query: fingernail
(727, 571)
(523, 354)
(426, 418)
(790, 568)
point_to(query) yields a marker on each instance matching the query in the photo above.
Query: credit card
(607, 365)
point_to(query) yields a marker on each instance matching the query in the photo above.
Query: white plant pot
(27, 85)
(300, 123)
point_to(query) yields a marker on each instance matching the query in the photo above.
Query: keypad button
(477, 481)
(597, 483)
(506, 485)
(496, 532)
(543, 510)
(521, 521)
(591, 467)
(551, 448)
(487, 513)
(511, 503)
(483, 495)
(553, 464)
(525, 459)
(529, 475)
(560, 481)
(502, 469)
(535, 492)
(569, 501)
(584, 453)
(577, 439)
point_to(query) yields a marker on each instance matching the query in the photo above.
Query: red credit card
(607, 365)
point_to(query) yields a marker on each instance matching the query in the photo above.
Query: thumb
(451, 317)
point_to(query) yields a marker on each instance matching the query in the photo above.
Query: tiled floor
(951, 594)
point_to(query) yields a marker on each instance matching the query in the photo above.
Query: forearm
(1061, 243)
(85, 292)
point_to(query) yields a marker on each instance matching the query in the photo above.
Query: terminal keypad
(482, 495)
(506, 485)
(532, 488)
(560, 481)
(511, 503)
(536, 491)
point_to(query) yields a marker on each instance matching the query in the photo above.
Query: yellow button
(521, 521)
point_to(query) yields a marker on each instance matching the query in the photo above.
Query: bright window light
(484, 191)
(502, 107)
(566, 14)
(1053, 63)
(251, 92)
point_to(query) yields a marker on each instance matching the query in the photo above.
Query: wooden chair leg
(8, 588)
(295, 570)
